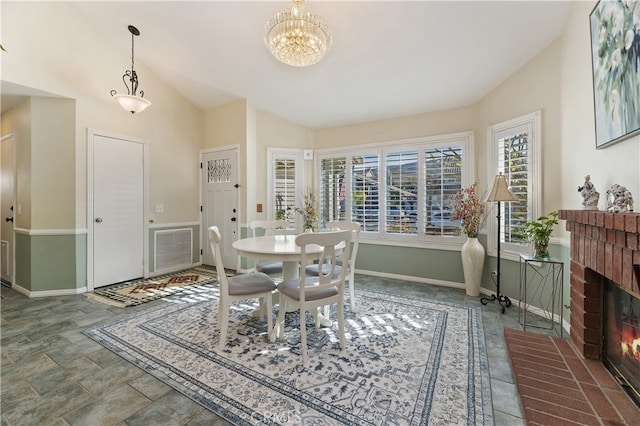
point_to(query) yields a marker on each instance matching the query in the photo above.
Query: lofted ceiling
(389, 58)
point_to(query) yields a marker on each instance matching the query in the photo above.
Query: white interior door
(7, 210)
(220, 203)
(118, 214)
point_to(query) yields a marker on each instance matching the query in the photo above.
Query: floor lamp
(499, 193)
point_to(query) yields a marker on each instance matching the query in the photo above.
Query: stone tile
(68, 353)
(172, 408)
(115, 375)
(500, 369)
(104, 357)
(25, 347)
(111, 408)
(504, 419)
(207, 418)
(49, 408)
(505, 398)
(73, 371)
(25, 368)
(39, 325)
(15, 395)
(149, 386)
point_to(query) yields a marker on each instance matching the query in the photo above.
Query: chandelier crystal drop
(131, 102)
(297, 37)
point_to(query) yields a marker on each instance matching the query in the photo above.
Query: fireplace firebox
(621, 343)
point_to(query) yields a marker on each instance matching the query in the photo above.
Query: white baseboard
(48, 293)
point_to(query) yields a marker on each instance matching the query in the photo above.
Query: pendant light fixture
(131, 102)
(297, 37)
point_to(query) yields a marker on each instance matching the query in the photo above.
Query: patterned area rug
(407, 361)
(140, 291)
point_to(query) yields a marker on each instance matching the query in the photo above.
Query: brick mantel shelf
(606, 245)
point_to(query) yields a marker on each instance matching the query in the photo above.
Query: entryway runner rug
(407, 361)
(136, 292)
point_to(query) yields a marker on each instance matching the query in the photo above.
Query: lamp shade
(500, 190)
(132, 103)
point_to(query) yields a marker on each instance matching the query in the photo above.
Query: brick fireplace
(602, 245)
(563, 382)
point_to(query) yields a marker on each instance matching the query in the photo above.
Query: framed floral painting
(615, 54)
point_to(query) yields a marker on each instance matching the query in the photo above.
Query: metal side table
(542, 283)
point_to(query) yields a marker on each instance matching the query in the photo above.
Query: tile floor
(52, 374)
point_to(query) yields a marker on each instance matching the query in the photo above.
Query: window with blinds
(284, 185)
(442, 180)
(365, 191)
(401, 192)
(513, 153)
(514, 149)
(396, 191)
(332, 196)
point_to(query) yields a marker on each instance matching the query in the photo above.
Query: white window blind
(401, 215)
(513, 153)
(285, 187)
(397, 190)
(365, 191)
(515, 150)
(443, 179)
(332, 197)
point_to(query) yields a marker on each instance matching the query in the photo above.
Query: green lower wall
(59, 262)
(50, 262)
(446, 265)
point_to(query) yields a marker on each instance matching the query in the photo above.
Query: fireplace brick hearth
(564, 382)
(606, 245)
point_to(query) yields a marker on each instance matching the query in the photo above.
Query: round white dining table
(280, 248)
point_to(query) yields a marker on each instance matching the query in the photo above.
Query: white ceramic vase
(472, 264)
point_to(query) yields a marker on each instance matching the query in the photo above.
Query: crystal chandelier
(296, 37)
(130, 101)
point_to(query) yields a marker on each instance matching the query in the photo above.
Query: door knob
(8, 219)
(98, 220)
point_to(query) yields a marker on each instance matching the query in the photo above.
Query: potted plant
(309, 211)
(539, 231)
(471, 212)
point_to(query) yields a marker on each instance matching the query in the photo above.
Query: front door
(220, 203)
(7, 208)
(118, 217)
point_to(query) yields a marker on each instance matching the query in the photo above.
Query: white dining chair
(254, 285)
(354, 227)
(309, 293)
(269, 227)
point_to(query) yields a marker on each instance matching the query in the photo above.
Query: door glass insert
(219, 170)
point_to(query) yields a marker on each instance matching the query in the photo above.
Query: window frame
(274, 154)
(531, 122)
(445, 242)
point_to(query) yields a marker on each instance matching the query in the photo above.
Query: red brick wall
(602, 245)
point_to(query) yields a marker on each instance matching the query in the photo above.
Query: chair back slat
(214, 240)
(336, 248)
(355, 228)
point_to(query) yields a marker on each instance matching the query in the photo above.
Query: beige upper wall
(535, 87)
(557, 82)
(397, 129)
(619, 163)
(52, 146)
(172, 127)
